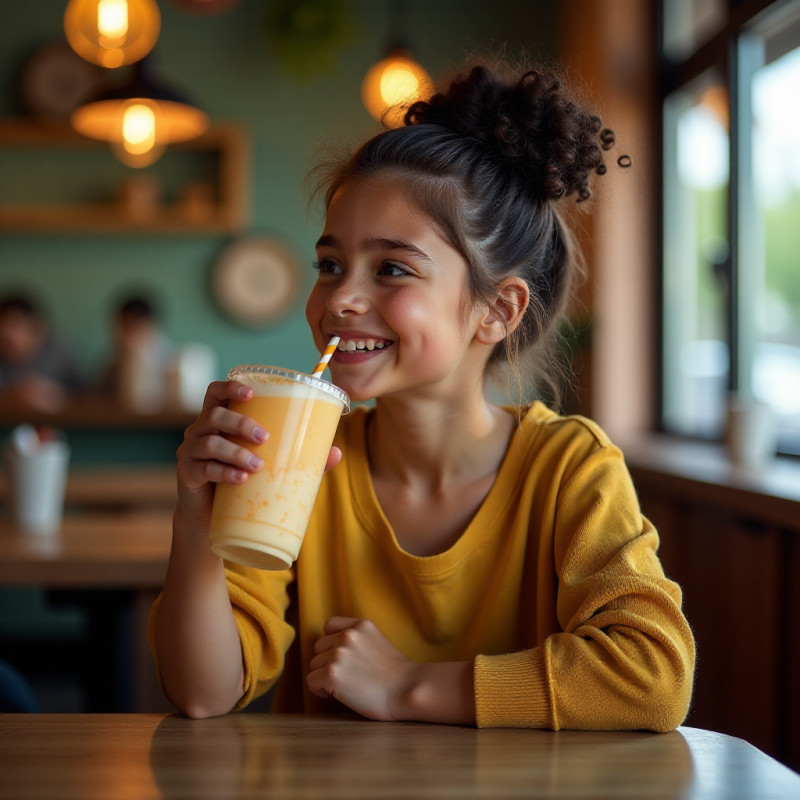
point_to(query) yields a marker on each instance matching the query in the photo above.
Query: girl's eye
(393, 270)
(326, 267)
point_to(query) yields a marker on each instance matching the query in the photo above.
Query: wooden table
(120, 550)
(285, 756)
(112, 565)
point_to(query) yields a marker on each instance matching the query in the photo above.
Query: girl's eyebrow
(378, 244)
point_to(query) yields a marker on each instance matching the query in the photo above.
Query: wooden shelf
(98, 413)
(105, 218)
(228, 214)
(114, 487)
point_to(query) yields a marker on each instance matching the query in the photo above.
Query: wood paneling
(740, 576)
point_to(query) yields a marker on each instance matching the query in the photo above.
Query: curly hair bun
(529, 122)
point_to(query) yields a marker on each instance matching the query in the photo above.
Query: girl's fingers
(220, 392)
(208, 454)
(334, 457)
(199, 473)
(318, 684)
(217, 448)
(338, 632)
(219, 419)
(336, 624)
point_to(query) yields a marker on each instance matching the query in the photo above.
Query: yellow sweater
(554, 590)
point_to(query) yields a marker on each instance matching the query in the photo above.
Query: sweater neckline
(378, 527)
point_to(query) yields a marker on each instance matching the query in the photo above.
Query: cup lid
(300, 377)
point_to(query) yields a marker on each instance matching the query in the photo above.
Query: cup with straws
(261, 522)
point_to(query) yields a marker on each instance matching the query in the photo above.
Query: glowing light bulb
(112, 21)
(138, 129)
(112, 33)
(398, 85)
(393, 84)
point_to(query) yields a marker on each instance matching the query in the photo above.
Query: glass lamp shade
(112, 33)
(392, 85)
(139, 120)
(114, 120)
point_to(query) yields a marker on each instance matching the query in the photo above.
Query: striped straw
(326, 356)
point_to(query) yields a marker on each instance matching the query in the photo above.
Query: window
(731, 216)
(688, 24)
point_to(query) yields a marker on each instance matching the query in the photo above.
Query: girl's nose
(349, 297)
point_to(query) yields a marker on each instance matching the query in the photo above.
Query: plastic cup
(261, 523)
(37, 480)
(751, 434)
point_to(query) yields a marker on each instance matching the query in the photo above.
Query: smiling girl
(467, 563)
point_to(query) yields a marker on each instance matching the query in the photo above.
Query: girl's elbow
(201, 711)
(669, 701)
(199, 706)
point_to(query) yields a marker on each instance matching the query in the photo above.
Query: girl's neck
(431, 444)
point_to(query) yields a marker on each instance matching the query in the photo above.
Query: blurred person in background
(36, 372)
(135, 375)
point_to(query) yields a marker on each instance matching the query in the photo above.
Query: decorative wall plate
(255, 280)
(55, 81)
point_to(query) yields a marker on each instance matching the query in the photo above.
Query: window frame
(726, 53)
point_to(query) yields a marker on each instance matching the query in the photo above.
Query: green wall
(225, 63)
(228, 66)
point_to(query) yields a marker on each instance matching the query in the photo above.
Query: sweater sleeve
(259, 600)
(624, 658)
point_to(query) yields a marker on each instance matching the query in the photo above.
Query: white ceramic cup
(751, 435)
(37, 480)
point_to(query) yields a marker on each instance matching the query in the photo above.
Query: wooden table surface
(285, 756)
(111, 550)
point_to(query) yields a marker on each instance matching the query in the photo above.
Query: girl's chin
(356, 393)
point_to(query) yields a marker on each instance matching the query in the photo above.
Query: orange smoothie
(261, 523)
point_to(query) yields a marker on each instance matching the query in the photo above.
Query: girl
(467, 563)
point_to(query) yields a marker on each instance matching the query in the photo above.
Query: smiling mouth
(362, 345)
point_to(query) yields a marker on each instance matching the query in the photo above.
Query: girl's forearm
(199, 652)
(440, 692)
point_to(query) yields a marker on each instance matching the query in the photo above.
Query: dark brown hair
(488, 160)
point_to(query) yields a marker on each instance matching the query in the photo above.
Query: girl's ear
(504, 314)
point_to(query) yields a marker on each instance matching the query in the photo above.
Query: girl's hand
(207, 456)
(355, 664)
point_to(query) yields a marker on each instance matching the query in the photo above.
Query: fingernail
(255, 462)
(245, 391)
(259, 434)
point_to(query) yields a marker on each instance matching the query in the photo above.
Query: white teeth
(352, 345)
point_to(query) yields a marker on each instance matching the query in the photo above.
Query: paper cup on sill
(751, 433)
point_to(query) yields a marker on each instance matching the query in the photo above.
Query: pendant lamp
(396, 81)
(112, 33)
(139, 118)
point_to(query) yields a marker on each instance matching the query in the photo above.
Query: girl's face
(395, 292)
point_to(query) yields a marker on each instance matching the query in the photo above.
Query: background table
(112, 565)
(112, 550)
(285, 756)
